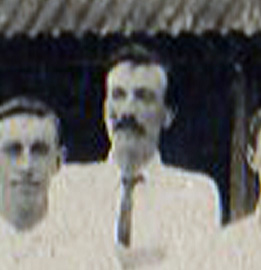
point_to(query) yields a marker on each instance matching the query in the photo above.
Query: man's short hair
(253, 129)
(32, 106)
(138, 54)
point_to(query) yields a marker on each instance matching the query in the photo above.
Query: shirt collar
(147, 171)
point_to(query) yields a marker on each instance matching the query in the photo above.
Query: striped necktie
(123, 222)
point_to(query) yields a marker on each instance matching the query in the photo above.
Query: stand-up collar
(147, 170)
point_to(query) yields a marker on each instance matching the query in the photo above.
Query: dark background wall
(68, 73)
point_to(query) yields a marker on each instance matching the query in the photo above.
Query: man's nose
(25, 161)
(130, 106)
(130, 100)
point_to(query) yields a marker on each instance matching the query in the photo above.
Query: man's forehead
(126, 72)
(20, 124)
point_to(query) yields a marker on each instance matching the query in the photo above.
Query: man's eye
(13, 149)
(40, 148)
(118, 93)
(144, 94)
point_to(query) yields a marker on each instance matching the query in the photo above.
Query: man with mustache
(151, 215)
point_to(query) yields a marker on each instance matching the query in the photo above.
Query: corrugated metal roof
(103, 16)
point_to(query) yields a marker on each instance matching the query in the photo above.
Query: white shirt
(174, 211)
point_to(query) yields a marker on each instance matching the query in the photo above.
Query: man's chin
(124, 144)
(26, 198)
(127, 135)
(133, 151)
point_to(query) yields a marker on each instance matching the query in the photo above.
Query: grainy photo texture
(138, 148)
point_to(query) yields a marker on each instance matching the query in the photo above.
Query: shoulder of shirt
(171, 175)
(192, 179)
(75, 167)
(86, 165)
(88, 172)
(194, 182)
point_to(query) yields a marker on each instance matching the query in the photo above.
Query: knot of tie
(132, 182)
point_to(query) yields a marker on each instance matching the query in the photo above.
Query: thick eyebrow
(40, 146)
(11, 145)
(118, 91)
(145, 93)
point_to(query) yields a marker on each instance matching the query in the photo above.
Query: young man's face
(135, 108)
(28, 159)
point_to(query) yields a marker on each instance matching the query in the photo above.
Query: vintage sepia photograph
(130, 135)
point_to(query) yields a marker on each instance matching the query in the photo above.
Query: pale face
(137, 91)
(28, 159)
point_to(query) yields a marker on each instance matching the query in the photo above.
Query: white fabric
(174, 214)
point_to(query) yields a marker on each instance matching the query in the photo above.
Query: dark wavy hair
(138, 54)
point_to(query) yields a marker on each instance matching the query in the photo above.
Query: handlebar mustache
(129, 123)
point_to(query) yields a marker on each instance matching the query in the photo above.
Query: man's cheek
(41, 168)
(110, 110)
(150, 116)
(110, 118)
(4, 160)
(4, 175)
(6, 168)
(112, 113)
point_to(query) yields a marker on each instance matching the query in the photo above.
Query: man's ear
(168, 117)
(58, 163)
(60, 158)
(252, 158)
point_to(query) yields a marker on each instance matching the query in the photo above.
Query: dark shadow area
(68, 73)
